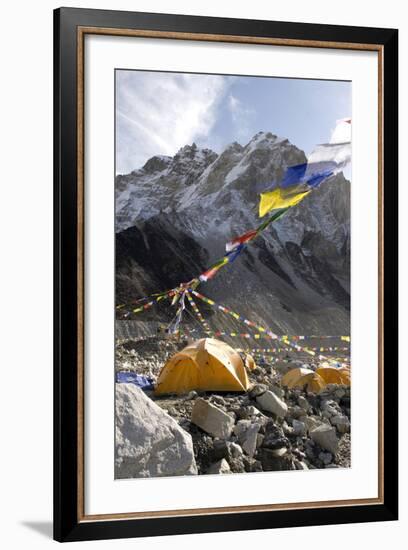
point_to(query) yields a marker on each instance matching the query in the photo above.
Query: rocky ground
(266, 429)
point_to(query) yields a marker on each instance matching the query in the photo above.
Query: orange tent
(207, 364)
(301, 377)
(346, 374)
(333, 375)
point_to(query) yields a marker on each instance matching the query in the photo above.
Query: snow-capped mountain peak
(186, 208)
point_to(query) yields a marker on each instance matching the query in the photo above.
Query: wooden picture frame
(70, 27)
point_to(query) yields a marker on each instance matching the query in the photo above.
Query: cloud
(157, 113)
(240, 114)
(233, 105)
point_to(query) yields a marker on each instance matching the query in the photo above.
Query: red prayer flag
(249, 235)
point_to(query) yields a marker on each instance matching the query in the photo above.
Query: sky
(157, 113)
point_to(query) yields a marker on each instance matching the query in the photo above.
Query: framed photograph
(225, 274)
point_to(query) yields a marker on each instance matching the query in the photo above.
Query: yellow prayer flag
(280, 198)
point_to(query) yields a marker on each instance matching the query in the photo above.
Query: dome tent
(208, 365)
(301, 377)
(334, 375)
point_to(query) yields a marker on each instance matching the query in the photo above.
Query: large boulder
(341, 422)
(149, 442)
(251, 439)
(212, 419)
(325, 436)
(268, 401)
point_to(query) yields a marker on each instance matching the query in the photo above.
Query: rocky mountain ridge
(174, 216)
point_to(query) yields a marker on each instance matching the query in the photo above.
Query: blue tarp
(142, 382)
